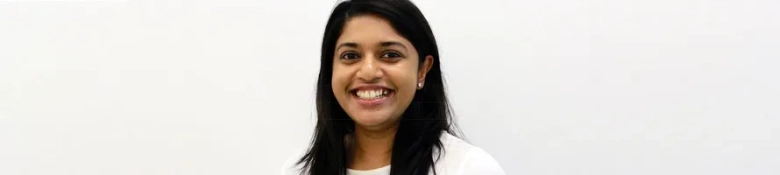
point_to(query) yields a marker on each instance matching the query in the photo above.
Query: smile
(372, 97)
(372, 94)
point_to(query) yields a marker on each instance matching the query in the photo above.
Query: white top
(459, 158)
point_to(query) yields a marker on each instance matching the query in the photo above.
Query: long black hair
(416, 146)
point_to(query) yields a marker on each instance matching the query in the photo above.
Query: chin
(371, 119)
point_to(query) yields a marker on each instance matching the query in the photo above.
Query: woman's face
(375, 72)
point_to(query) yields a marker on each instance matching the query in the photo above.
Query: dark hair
(420, 126)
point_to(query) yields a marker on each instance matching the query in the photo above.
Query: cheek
(406, 81)
(337, 82)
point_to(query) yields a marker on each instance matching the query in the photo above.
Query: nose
(370, 70)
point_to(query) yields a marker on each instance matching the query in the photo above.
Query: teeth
(372, 94)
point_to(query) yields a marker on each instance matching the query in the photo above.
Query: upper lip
(369, 87)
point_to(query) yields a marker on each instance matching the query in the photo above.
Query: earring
(419, 85)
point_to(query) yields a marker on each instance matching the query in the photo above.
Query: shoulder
(291, 166)
(460, 157)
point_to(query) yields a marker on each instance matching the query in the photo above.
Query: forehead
(369, 30)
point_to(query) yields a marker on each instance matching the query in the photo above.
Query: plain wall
(594, 87)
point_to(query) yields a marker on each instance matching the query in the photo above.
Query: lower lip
(372, 102)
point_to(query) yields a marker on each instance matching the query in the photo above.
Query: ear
(424, 68)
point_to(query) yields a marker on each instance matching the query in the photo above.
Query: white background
(570, 87)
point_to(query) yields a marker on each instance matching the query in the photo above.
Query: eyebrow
(383, 44)
(353, 45)
(392, 43)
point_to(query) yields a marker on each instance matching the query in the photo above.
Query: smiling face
(375, 72)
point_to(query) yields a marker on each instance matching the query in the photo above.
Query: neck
(372, 147)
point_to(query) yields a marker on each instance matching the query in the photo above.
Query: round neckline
(384, 168)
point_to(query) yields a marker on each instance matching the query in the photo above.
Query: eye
(391, 54)
(349, 56)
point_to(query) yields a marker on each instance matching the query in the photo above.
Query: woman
(381, 102)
